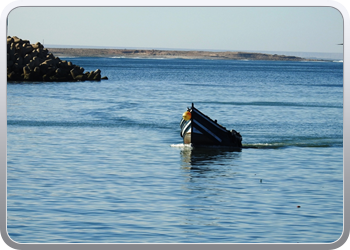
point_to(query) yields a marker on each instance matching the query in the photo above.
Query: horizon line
(338, 55)
(178, 49)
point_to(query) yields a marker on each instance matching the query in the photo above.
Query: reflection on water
(197, 158)
(209, 162)
(210, 176)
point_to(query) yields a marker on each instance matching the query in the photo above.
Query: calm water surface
(103, 162)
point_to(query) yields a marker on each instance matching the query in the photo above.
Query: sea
(104, 162)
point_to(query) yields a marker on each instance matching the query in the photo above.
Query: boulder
(38, 45)
(32, 62)
(26, 70)
(97, 75)
(10, 40)
(26, 49)
(77, 71)
(80, 78)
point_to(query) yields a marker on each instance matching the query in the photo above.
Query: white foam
(181, 145)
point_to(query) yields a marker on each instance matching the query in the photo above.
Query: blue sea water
(103, 162)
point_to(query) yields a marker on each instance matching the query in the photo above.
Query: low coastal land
(172, 54)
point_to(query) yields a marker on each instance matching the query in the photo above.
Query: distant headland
(172, 54)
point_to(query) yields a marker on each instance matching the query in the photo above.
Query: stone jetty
(32, 62)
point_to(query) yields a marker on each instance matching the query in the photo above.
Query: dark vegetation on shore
(34, 63)
(135, 53)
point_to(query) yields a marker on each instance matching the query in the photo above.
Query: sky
(305, 29)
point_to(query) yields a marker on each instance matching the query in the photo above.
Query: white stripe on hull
(207, 130)
(185, 128)
(196, 131)
(217, 125)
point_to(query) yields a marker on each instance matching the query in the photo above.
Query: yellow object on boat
(186, 116)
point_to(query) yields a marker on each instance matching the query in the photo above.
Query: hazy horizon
(304, 54)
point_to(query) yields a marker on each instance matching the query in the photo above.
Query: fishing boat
(200, 130)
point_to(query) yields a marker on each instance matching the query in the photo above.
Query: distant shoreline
(172, 54)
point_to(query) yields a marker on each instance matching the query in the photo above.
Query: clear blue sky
(299, 29)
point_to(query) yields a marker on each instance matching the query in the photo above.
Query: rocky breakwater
(32, 62)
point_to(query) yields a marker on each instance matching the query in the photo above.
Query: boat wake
(278, 145)
(274, 145)
(182, 146)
